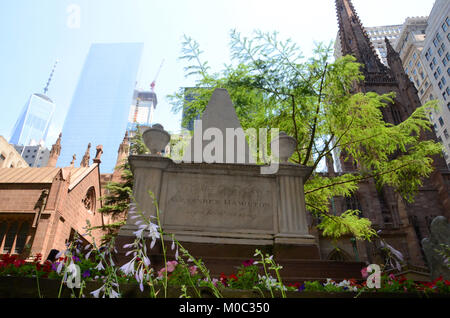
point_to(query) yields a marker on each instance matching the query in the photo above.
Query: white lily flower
(59, 268)
(138, 233)
(88, 254)
(153, 231)
(99, 266)
(146, 261)
(128, 268)
(114, 294)
(96, 293)
(128, 245)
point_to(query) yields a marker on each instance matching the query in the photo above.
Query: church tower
(411, 221)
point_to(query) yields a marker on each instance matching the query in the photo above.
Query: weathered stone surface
(219, 117)
(222, 203)
(218, 203)
(440, 234)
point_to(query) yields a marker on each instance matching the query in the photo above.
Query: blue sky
(35, 33)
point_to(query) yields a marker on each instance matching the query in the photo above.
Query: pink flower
(364, 272)
(193, 270)
(170, 268)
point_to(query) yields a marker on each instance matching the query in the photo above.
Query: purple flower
(55, 266)
(86, 273)
(248, 263)
(76, 259)
(301, 288)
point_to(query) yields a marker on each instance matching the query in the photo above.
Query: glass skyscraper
(100, 106)
(32, 125)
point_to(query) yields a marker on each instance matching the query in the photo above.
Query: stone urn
(286, 145)
(156, 139)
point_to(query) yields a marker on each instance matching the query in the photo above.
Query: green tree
(272, 85)
(118, 198)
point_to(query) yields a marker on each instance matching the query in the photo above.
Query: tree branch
(358, 179)
(313, 133)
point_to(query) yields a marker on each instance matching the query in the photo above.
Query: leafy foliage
(118, 198)
(273, 85)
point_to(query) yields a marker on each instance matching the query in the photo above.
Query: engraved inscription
(210, 201)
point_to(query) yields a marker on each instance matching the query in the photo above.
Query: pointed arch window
(396, 116)
(10, 237)
(338, 255)
(3, 229)
(22, 237)
(352, 203)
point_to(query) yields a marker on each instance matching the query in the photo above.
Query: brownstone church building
(402, 225)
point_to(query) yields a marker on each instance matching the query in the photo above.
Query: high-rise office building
(436, 60)
(100, 106)
(376, 35)
(35, 156)
(141, 111)
(32, 126)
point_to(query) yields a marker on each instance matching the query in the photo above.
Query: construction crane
(152, 85)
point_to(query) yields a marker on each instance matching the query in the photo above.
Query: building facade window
(10, 237)
(22, 237)
(446, 135)
(438, 70)
(90, 200)
(13, 235)
(441, 121)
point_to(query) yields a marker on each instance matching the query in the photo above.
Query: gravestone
(222, 211)
(440, 234)
(219, 118)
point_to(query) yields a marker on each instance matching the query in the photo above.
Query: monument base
(300, 262)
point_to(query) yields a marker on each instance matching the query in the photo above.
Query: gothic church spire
(354, 39)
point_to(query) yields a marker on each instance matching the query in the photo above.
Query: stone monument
(222, 211)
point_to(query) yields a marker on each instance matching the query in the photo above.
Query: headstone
(440, 234)
(219, 121)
